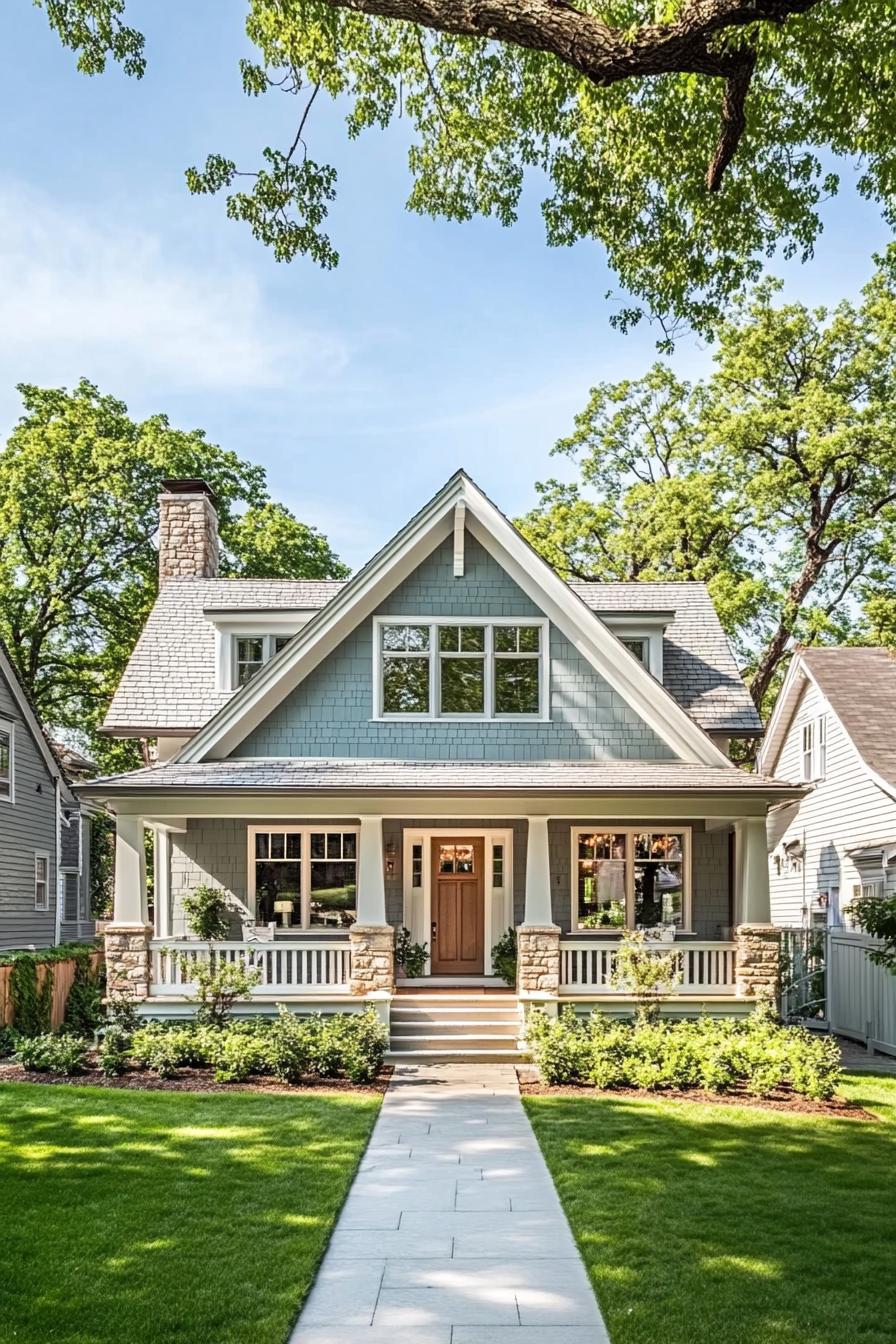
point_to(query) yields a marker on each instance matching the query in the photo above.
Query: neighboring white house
(832, 728)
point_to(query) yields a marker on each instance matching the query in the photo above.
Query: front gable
(333, 711)
(459, 515)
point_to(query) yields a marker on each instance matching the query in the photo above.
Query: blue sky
(432, 346)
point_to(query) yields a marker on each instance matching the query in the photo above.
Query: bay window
(304, 877)
(630, 877)
(461, 669)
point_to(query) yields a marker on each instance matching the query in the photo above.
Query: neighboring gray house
(454, 740)
(832, 729)
(44, 840)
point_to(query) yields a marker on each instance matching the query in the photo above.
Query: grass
(152, 1217)
(704, 1224)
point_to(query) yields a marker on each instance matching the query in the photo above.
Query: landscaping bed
(192, 1080)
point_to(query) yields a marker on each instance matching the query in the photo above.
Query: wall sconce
(391, 857)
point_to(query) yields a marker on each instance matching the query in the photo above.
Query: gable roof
(399, 558)
(699, 669)
(859, 685)
(35, 727)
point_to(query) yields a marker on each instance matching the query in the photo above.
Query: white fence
(861, 997)
(586, 966)
(309, 966)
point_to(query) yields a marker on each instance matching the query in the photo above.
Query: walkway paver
(452, 1232)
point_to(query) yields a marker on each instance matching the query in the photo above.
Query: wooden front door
(458, 906)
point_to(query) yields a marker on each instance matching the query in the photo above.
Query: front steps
(455, 1026)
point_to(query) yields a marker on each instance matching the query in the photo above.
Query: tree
(692, 138)
(79, 485)
(773, 480)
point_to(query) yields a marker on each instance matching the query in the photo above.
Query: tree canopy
(773, 479)
(79, 485)
(692, 138)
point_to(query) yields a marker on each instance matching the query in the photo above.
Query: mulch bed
(786, 1101)
(193, 1080)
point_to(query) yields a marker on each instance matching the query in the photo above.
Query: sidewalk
(452, 1232)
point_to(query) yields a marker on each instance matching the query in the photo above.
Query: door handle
(432, 930)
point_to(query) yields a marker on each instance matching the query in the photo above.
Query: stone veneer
(128, 966)
(758, 961)
(373, 957)
(188, 536)
(538, 959)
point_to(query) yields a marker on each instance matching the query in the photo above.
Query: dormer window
(461, 669)
(251, 652)
(640, 648)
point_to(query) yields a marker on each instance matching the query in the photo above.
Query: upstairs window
(814, 748)
(251, 652)
(6, 762)
(41, 881)
(640, 648)
(455, 670)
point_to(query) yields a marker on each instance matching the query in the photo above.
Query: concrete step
(452, 1041)
(449, 1056)
(471, 1014)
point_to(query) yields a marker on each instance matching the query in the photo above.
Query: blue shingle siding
(215, 851)
(329, 714)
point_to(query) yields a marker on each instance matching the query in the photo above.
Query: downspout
(57, 793)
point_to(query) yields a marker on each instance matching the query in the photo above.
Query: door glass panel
(497, 865)
(463, 858)
(446, 858)
(416, 865)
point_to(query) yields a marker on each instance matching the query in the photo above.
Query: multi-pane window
(416, 865)
(455, 670)
(41, 882)
(456, 858)
(305, 878)
(5, 762)
(71, 889)
(814, 752)
(497, 866)
(253, 651)
(821, 747)
(808, 752)
(627, 877)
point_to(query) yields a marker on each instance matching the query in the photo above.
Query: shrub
(289, 1047)
(661, 1055)
(814, 1064)
(208, 913)
(9, 1042)
(410, 956)
(121, 1011)
(218, 985)
(237, 1051)
(363, 1039)
(114, 1051)
(164, 1048)
(32, 996)
(645, 973)
(560, 1045)
(504, 957)
(53, 1054)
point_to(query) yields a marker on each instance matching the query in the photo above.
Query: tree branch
(734, 120)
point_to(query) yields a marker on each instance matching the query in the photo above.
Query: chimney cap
(189, 485)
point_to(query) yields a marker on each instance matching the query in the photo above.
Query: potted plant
(410, 956)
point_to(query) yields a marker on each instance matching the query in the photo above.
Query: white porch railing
(586, 966)
(306, 966)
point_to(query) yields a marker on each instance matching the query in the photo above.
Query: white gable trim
(362, 594)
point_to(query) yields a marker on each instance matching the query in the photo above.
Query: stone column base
(538, 959)
(758, 970)
(128, 965)
(373, 957)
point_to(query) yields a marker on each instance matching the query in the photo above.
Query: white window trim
(634, 626)
(812, 768)
(543, 713)
(807, 751)
(273, 625)
(821, 747)
(7, 726)
(609, 828)
(497, 902)
(38, 855)
(305, 831)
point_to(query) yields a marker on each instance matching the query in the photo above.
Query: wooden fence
(861, 997)
(63, 975)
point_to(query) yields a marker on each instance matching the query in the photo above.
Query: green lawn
(705, 1224)
(157, 1217)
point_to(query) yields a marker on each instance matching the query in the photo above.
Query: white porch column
(755, 897)
(130, 906)
(371, 879)
(538, 875)
(162, 882)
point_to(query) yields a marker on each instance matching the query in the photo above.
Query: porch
(317, 896)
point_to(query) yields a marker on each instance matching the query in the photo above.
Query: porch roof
(316, 776)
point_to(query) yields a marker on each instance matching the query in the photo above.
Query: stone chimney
(188, 531)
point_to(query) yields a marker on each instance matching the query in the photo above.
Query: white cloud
(87, 294)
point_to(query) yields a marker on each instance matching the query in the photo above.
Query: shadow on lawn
(155, 1217)
(715, 1225)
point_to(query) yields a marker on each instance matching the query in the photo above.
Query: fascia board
(596, 643)
(782, 715)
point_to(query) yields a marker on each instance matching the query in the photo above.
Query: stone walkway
(452, 1232)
